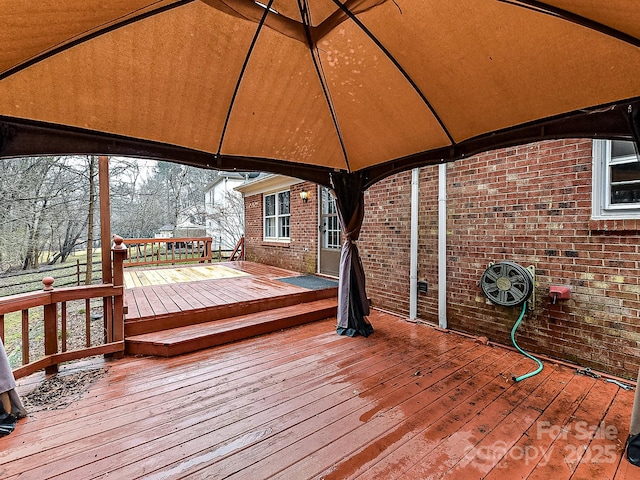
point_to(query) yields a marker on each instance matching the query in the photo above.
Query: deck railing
(53, 302)
(158, 251)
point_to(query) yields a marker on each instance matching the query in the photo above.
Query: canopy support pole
(353, 305)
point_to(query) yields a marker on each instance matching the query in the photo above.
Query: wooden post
(105, 218)
(119, 256)
(105, 239)
(50, 327)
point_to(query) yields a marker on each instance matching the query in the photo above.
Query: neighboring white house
(224, 209)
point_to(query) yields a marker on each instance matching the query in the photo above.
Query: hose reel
(507, 284)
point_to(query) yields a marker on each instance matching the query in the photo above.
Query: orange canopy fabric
(329, 85)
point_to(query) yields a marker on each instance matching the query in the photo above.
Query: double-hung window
(616, 180)
(277, 216)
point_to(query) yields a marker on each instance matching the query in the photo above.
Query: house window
(616, 180)
(277, 216)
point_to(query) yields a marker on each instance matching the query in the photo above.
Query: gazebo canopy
(342, 93)
(308, 87)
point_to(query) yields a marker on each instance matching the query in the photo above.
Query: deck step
(192, 316)
(176, 341)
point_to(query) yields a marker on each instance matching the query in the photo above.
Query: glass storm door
(330, 235)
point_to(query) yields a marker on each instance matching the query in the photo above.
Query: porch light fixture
(304, 195)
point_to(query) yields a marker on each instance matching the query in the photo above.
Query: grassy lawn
(65, 274)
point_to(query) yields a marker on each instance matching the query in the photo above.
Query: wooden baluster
(207, 250)
(87, 321)
(63, 333)
(25, 336)
(2, 327)
(50, 326)
(107, 310)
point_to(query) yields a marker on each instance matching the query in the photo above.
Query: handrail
(239, 249)
(24, 301)
(54, 305)
(159, 251)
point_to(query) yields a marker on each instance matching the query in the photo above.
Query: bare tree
(90, 220)
(48, 204)
(227, 218)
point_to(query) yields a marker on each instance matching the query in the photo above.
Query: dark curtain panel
(353, 306)
(8, 393)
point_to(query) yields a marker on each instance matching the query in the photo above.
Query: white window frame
(602, 207)
(278, 217)
(332, 232)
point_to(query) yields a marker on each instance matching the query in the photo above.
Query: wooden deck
(163, 292)
(177, 310)
(409, 402)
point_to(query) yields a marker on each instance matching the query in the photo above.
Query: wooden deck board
(507, 432)
(408, 402)
(534, 442)
(403, 438)
(601, 446)
(193, 331)
(369, 424)
(173, 297)
(167, 290)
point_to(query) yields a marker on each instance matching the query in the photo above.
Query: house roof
(242, 176)
(266, 182)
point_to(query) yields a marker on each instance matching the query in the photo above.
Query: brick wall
(384, 242)
(529, 204)
(300, 253)
(532, 205)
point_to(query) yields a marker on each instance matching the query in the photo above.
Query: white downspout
(442, 245)
(413, 262)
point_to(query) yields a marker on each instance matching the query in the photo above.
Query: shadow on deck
(172, 311)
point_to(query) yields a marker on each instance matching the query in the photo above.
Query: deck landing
(179, 310)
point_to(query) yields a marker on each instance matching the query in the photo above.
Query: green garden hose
(513, 339)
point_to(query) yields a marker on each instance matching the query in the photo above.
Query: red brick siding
(529, 204)
(384, 242)
(532, 205)
(300, 253)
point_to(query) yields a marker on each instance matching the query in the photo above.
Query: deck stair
(188, 338)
